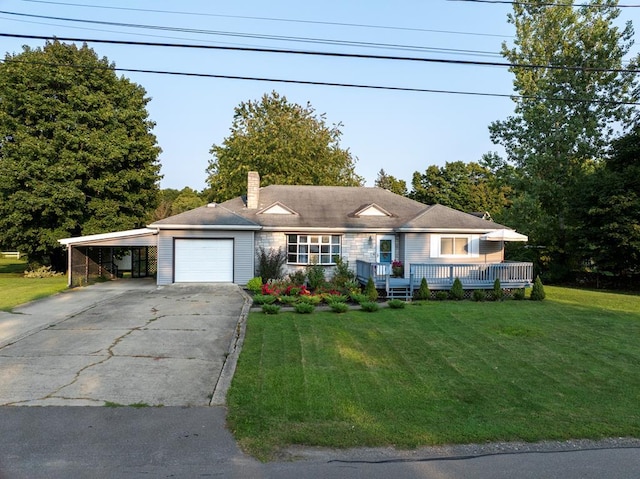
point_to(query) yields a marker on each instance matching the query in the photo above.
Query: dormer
(372, 210)
(277, 208)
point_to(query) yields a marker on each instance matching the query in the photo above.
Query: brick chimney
(253, 190)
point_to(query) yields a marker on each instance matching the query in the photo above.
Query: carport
(112, 255)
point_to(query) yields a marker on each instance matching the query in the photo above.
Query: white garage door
(203, 261)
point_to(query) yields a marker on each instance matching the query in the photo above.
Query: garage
(203, 260)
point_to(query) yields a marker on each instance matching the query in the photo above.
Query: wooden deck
(512, 275)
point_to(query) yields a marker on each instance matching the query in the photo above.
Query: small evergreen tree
(537, 292)
(498, 293)
(456, 292)
(370, 290)
(422, 293)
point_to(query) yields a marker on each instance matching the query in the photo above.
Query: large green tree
(609, 208)
(464, 186)
(285, 142)
(173, 202)
(391, 183)
(573, 89)
(77, 155)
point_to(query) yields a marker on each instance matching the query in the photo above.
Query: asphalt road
(179, 442)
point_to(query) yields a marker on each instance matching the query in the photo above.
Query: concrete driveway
(122, 342)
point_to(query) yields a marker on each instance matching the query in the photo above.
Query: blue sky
(402, 132)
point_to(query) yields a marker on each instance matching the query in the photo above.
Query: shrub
(369, 306)
(315, 276)
(255, 284)
(270, 263)
(518, 294)
(457, 292)
(304, 308)
(498, 293)
(422, 293)
(270, 308)
(396, 304)
(370, 290)
(313, 300)
(271, 287)
(359, 298)
(41, 272)
(297, 277)
(263, 299)
(334, 298)
(289, 299)
(537, 292)
(339, 307)
(342, 274)
(479, 295)
(351, 287)
(442, 295)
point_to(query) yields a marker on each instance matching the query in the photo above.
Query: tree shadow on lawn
(12, 266)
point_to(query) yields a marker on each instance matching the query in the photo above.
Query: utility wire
(271, 19)
(258, 36)
(447, 61)
(546, 4)
(330, 84)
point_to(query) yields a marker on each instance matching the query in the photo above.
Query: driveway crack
(110, 354)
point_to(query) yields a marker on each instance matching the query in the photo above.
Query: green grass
(441, 372)
(16, 289)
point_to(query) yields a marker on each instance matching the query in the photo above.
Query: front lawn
(441, 372)
(15, 289)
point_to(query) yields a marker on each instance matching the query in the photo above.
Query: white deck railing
(442, 276)
(473, 274)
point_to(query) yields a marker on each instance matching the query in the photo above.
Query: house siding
(243, 248)
(355, 246)
(417, 249)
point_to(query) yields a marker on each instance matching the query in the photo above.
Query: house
(367, 227)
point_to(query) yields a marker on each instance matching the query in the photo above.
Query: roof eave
(207, 227)
(108, 236)
(443, 230)
(326, 230)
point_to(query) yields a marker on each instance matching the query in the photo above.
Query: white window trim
(472, 240)
(308, 253)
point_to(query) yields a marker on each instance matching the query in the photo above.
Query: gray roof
(207, 216)
(329, 207)
(439, 216)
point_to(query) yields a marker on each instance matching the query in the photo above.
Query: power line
(329, 84)
(547, 4)
(260, 36)
(447, 61)
(271, 19)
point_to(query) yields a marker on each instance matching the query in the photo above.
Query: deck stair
(399, 292)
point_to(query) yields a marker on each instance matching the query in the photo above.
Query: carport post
(69, 269)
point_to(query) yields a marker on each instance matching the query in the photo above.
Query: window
(311, 249)
(454, 246)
